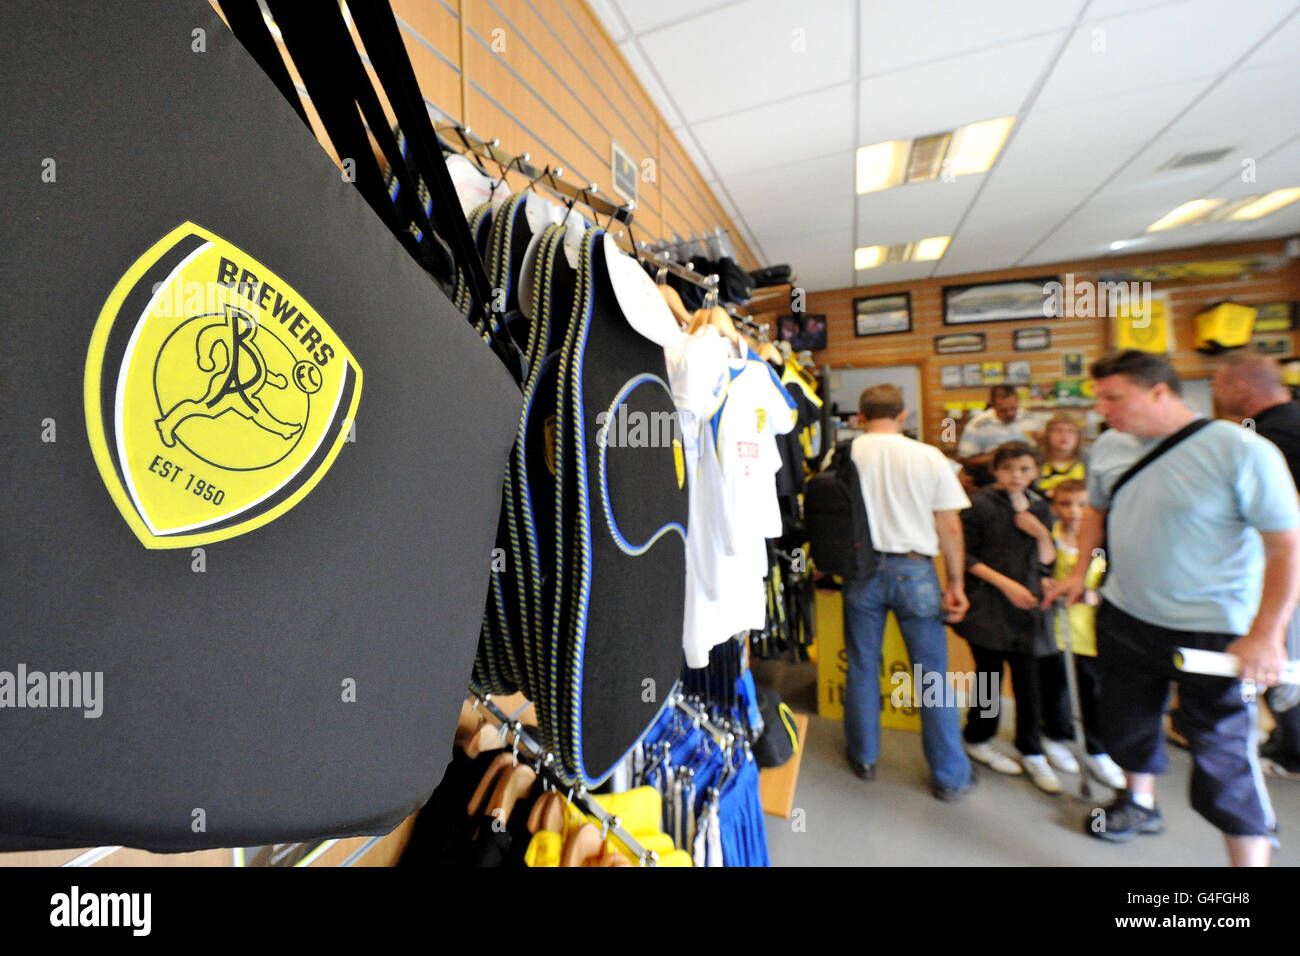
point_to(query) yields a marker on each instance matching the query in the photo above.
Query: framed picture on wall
(1001, 301)
(882, 314)
(1032, 340)
(1272, 344)
(950, 376)
(1275, 317)
(1018, 373)
(802, 331)
(959, 342)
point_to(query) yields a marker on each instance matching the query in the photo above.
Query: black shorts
(1136, 659)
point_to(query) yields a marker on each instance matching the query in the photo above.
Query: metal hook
(515, 749)
(505, 170)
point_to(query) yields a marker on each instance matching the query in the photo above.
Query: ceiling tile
(1279, 169)
(643, 17)
(615, 24)
(801, 128)
(1130, 119)
(1245, 101)
(916, 211)
(693, 152)
(897, 35)
(953, 92)
(1144, 173)
(641, 67)
(752, 54)
(992, 247)
(818, 257)
(1105, 9)
(1281, 47)
(1196, 38)
(899, 272)
(816, 275)
(798, 199)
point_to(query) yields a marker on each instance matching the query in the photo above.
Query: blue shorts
(1136, 660)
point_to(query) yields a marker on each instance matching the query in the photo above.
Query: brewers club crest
(216, 397)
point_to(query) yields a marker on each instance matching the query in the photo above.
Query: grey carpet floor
(1006, 821)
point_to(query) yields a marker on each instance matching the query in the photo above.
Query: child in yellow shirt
(1069, 498)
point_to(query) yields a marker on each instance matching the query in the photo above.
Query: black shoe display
(1123, 819)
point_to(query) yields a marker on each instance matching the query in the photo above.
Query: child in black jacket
(1009, 551)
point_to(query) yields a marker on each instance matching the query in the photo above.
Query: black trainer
(863, 771)
(953, 794)
(1123, 819)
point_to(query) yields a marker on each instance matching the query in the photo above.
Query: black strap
(1187, 431)
(378, 29)
(249, 26)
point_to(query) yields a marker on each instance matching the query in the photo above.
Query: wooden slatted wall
(1091, 336)
(544, 77)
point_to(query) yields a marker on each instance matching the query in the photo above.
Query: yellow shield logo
(216, 396)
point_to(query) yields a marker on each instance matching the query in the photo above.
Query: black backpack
(836, 515)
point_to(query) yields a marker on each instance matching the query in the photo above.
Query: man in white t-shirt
(913, 499)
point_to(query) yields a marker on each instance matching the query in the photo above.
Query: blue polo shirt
(1183, 551)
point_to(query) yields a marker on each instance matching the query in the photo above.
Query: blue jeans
(909, 588)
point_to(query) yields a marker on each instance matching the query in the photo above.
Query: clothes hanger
(486, 738)
(468, 725)
(511, 785)
(673, 298)
(501, 765)
(582, 844)
(548, 813)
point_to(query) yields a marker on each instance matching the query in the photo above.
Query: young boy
(1068, 501)
(1009, 550)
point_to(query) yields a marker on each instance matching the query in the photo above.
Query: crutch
(1076, 709)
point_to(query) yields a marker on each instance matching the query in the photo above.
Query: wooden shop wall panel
(1091, 336)
(544, 78)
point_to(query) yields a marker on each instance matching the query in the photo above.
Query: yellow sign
(216, 396)
(1142, 324)
(832, 667)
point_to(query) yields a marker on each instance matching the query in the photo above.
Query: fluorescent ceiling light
(930, 249)
(1119, 244)
(1187, 213)
(1270, 202)
(882, 165)
(868, 257)
(975, 147)
(926, 250)
(926, 158)
(970, 149)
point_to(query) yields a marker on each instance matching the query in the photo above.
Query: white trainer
(987, 755)
(1059, 756)
(1040, 771)
(1106, 770)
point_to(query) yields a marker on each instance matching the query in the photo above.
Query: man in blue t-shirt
(1203, 551)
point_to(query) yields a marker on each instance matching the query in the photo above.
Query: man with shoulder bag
(1202, 531)
(912, 499)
